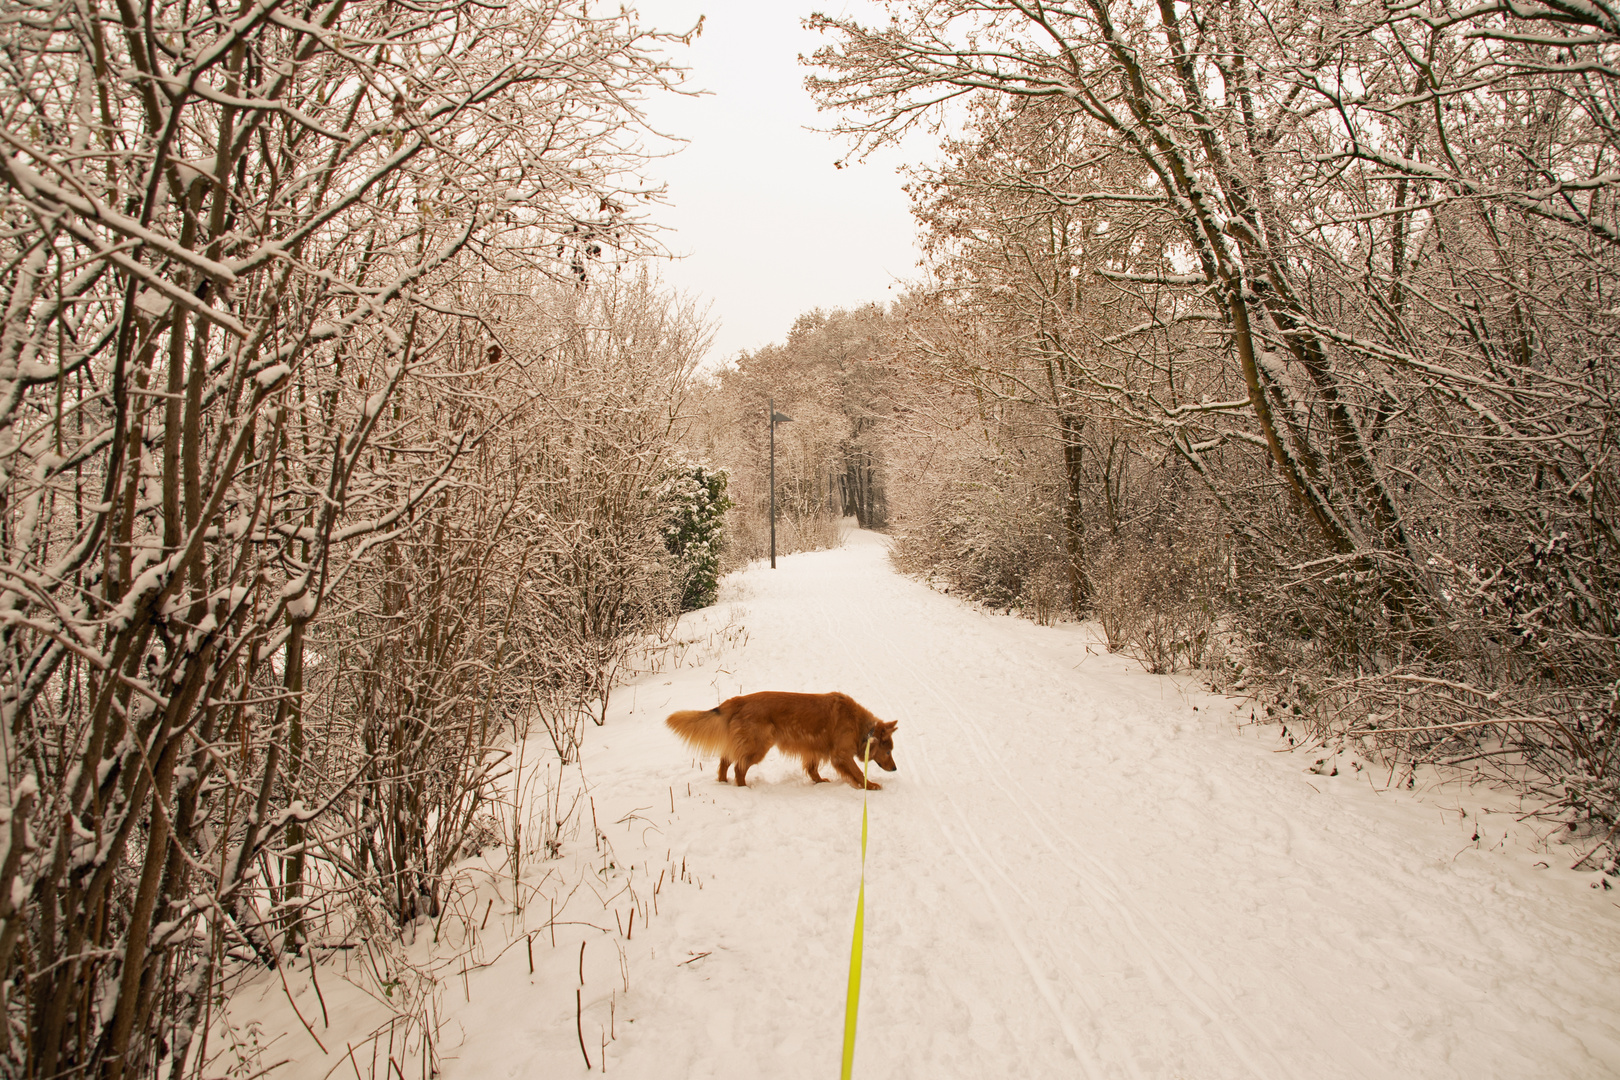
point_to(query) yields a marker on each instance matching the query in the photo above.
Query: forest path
(1079, 870)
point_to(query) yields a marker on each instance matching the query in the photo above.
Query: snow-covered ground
(1080, 870)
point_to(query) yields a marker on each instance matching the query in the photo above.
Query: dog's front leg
(850, 772)
(724, 765)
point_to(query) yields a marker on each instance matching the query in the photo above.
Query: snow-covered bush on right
(1158, 597)
(985, 534)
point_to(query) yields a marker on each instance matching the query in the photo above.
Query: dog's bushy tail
(704, 730)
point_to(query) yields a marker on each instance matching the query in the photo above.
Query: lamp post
(776, 418)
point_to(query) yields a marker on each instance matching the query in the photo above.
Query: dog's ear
(888, 725)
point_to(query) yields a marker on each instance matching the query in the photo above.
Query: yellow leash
(852, 1000)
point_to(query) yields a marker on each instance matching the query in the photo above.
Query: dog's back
(800, 724)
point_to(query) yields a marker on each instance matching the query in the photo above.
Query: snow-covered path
(1080, 870)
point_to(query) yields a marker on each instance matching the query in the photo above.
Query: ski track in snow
(1072, 874)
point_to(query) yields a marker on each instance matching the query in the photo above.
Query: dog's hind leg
(813, 767)
(724, 765)
(743, 765)
(748, 754)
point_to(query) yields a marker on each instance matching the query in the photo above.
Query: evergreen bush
(695, 531)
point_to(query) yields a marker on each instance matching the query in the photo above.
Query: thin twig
(325, 1019)
(579, 1029)
(281, 970)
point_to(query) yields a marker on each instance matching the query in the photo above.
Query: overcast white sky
(767, 227)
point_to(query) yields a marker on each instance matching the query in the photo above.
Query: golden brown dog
(812, 727)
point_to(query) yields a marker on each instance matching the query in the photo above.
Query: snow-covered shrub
(1046, 592)
(695, 531)
(989, 537)
(1159, 596)
(508, 605)
(1115, 598)
(237, 471)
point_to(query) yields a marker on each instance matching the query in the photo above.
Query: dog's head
(883, 744)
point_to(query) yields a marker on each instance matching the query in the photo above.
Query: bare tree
(1063, 329)
(229, 239)
(1402, 222)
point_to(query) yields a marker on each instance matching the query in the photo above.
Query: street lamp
(776, 418)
